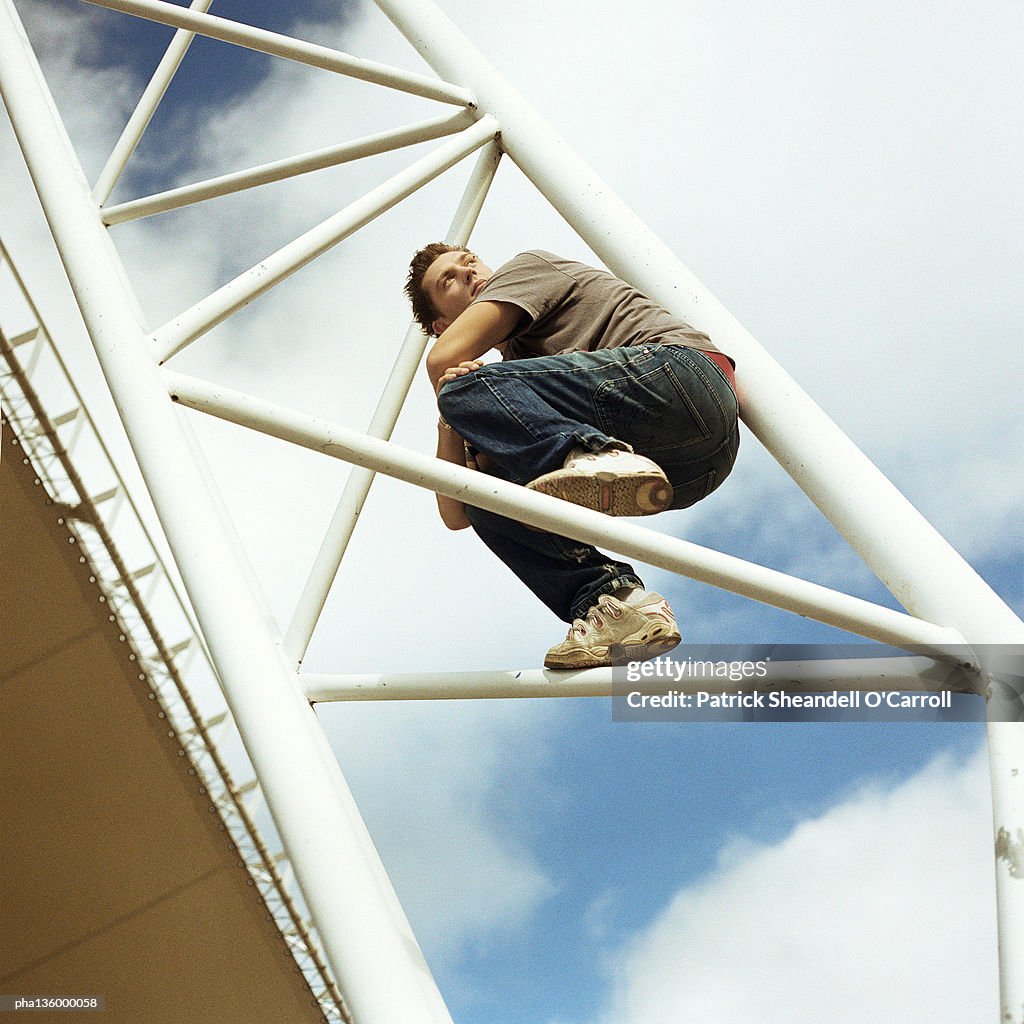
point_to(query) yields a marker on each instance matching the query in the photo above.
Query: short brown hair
(422, 308)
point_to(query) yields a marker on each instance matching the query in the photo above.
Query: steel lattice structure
(366, 937)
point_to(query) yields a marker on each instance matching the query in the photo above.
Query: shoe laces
(593, 617)
(583, 455)
(592, 456)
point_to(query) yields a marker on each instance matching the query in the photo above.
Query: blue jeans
(668, 402)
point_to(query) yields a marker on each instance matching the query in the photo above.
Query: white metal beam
(548, 513)
(385, 416)
(862, 674)
(291, 49)
(145, 109)
(290, 167)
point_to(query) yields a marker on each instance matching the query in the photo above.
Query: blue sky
(844, 181)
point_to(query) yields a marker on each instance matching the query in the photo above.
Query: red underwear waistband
(724, 363)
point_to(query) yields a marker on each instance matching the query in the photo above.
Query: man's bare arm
(451, 448)
(477, 330)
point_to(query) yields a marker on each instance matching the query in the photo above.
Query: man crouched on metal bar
(603, 399)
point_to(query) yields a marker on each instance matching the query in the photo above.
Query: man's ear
(439, 326)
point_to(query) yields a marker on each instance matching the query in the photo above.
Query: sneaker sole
(643, 648)
(635, 494)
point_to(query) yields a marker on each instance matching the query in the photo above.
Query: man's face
(451, 283)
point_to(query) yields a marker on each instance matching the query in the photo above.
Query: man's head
(443, 280)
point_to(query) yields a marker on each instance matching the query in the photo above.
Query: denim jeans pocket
(651, 411)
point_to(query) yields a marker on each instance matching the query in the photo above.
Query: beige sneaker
(617, 482)
(615, 633)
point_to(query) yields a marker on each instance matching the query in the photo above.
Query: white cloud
(600, 913)
(883, 908)
(426, 777)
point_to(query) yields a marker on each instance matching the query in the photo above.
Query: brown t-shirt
(570, 307)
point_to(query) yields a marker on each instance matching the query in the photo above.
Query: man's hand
(454, 372)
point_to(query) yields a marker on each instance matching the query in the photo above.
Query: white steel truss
(367, 939)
